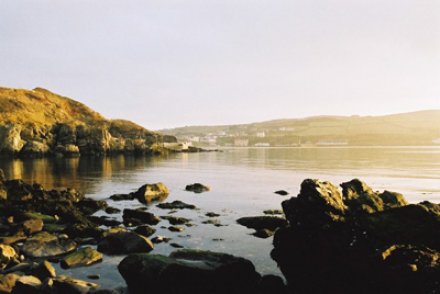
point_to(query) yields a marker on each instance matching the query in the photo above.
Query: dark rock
(212, 214)
(18, 191)
(121, 197)
(7, 282)
(263, 233)
(67, 285)
(83, 257)
(273, 212)
(176, 205)
(46, 245)
(112, 210)
(94, 277)
(125, 243)
(160, 239)
(145, 230)
(176, 229)
(175, 220)
(188, 271)
(2, 176)
(33, 226)
(197, 188)
(143, 216)
(89, 206)
(27, 285)
(175, 245)
(43, 271)
(333, 245)
(262, 222)
(270, 284)
(282, 192)
(151, 192)
(104, 221)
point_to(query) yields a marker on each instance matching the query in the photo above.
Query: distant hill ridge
(414, 128)
(38, 122)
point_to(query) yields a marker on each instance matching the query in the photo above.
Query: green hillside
(415, 128)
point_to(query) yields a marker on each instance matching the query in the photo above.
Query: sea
(242, 182)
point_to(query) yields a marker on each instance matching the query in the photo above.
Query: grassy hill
(415, 128)
(38, 122)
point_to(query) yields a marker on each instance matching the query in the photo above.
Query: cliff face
(37, 123)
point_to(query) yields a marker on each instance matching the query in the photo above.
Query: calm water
(242, 182)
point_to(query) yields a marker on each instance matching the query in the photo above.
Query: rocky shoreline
(337, 241)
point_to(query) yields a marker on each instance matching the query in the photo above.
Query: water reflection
(80, 173)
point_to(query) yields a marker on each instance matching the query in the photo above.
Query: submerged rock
(197, 188)
(282, 193)
(143, 217)
(177, 204)
(262, 222)
(189, 271)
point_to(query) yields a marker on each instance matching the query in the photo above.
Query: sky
(170, 63)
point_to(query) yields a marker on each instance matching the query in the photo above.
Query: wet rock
(94, 277)
(121, 197)
(7, 282)
(160, 239)
(33, 226)
(143, 216)
(177, 204)
(125, 243)
(282, 192)
(27, 285)
(273, 212)
(175, 245)
(263, 233)
(68, 285)
(189, 271)
(270, 284)
(176, 229)
(197, 188)
(47, 219)
(262, 222)
(43, 271)
(151, 192)
(18, 191)
(2, 176)
(112, 210)
(90, 206)
(47, 245)
(8, 255)
(334, 245)
(104, 221)
(83, 257)
(145, 230)
(175, 220)
(212, 214)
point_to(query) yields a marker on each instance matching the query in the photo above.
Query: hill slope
(415, 128)
(38, 122)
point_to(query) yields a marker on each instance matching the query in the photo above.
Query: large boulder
(143, 217)
(332, 241)
(152, 192)
(125, 243)
(189, 271)
(47, 245)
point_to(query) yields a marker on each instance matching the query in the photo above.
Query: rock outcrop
(358, 241)
(37, 123)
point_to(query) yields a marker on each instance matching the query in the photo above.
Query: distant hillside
(416, 128)
(38, 122)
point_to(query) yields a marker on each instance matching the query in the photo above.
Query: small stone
(43, 270)
(145, 230)
(112, 210)
(176, 205)
(27, 284)
(176, 229)
(160, 239)
(33, 226)
(94, 277)
(212, 214)
(282, 192)
(263, 233)
(197, 188)
(175, 245)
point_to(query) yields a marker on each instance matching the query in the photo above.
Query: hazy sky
(184, 62)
